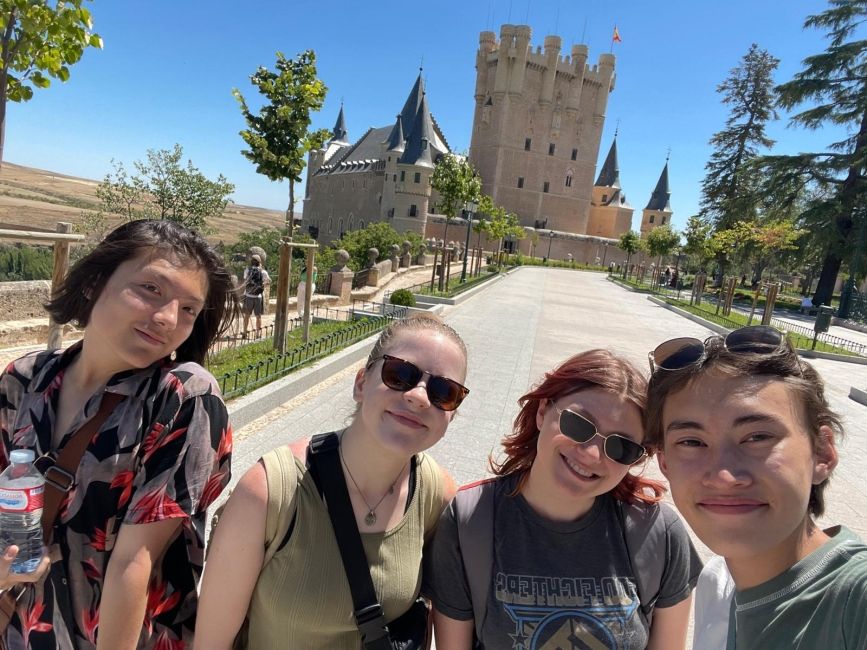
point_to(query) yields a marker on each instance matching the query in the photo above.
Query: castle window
(394, 178)
(389, 159)
(574, 154)
(520, 182)
(569, 181)
(527, 143)
(545, 186)
(663, 221)
(551, 149)
(604, 198)
(651, 219)
(361, 224)
(413, 211)
(402, 176)
(417, 178)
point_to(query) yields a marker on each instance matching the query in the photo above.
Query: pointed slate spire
(418, 150)
(410, 107)
(659, 200)
(610, 174)
(339, 132)
(395, 138)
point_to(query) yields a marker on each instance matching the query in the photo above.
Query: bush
(403, 297)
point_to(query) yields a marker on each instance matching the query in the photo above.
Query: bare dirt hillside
(38, 199)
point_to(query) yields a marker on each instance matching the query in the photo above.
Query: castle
(536, 135)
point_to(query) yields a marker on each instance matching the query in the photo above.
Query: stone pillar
(405, 259)
(340, 278)
(395, 262)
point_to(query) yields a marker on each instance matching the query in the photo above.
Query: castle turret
(339, 132)
(487, 44)
(579, 65)
(658, 211)
(605, 76)
(552, 57)
(610, 214)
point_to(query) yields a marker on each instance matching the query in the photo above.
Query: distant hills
(38, 199)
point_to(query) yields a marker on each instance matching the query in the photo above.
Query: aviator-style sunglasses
(677, 354)
(401, 375)
(618, 448)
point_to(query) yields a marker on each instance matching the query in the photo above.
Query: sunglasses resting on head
(680, 353)
(618, 448)
(401, 375)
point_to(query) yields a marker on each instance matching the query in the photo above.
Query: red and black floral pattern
(163, 453)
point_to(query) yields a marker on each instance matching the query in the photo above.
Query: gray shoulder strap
(644, 530)
(474, 515)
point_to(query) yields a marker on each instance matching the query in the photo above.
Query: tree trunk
(445, 233)
(290, 211)
(827, 279)
(3, 81)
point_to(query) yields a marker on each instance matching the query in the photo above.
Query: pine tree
(834, 86)
(729, 190)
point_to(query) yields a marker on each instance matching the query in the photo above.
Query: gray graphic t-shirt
(558, 585)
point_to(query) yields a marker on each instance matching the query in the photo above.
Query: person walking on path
(127, 547)
(274, 543)
(747, 440)
(545, 555)
(255, 279)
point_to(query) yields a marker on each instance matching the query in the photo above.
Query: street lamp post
(470, 207)
(604, 252)
(550, 239)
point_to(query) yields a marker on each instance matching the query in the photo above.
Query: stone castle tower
(537, 129)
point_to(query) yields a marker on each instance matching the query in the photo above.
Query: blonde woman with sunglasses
(566, 547)
(275, 558)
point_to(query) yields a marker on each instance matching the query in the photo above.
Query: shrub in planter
(403, 297)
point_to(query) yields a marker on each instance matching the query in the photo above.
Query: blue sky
(168, 68)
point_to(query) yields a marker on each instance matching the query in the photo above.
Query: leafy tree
(697, 238)
(534, 242)
(278, 136)
(729, 190)
(164, 189)
(833, 86)
(39, 40)
(456, 181)
(379, 235)
(661, 241)
(629, 243)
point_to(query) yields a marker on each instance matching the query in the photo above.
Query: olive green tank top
(302, 600)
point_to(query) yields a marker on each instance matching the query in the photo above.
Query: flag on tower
(615, 38)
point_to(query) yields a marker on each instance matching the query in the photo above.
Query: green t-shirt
(819, 603)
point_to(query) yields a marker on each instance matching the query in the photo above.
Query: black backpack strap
(473, 508)
(324, 460)
(644, 533)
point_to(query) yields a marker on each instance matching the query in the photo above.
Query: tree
(534, 242)
(697, 238)
(729, 189)
(38, 42)
(456, 181)
(833, 84)
(164, 189)
(379, 235)
(629, 243)
(661, 241)
(278, 136)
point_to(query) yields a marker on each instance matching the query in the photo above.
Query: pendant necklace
(370, 517)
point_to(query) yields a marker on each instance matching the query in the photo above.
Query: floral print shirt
(162, 453)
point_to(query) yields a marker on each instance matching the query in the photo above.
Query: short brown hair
(782, 365)
(592, 369)
(74, 299)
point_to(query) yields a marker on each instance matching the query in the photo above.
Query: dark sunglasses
(677, 354)
(444, 393)
(618, 448)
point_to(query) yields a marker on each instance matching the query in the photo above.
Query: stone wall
(22, 300)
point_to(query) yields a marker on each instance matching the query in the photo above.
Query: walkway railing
(267, 370)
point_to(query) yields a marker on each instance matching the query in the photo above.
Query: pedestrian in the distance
(128, 541)
(255, 279)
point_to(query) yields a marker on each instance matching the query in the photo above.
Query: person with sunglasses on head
(566, 547)
(134, 441)
(747, 440)
(275, 543)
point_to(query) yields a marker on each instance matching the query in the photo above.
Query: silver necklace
(370, 517)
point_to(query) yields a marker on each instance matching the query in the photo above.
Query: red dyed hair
(592, 369)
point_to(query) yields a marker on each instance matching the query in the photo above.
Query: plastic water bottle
(22, 493)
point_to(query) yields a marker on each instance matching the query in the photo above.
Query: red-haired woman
(566, 547)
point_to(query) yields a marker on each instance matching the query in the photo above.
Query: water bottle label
(19, 500)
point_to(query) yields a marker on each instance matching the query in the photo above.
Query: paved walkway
(524, 325)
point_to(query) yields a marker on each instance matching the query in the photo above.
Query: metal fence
(858, 308)
(267, 370)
